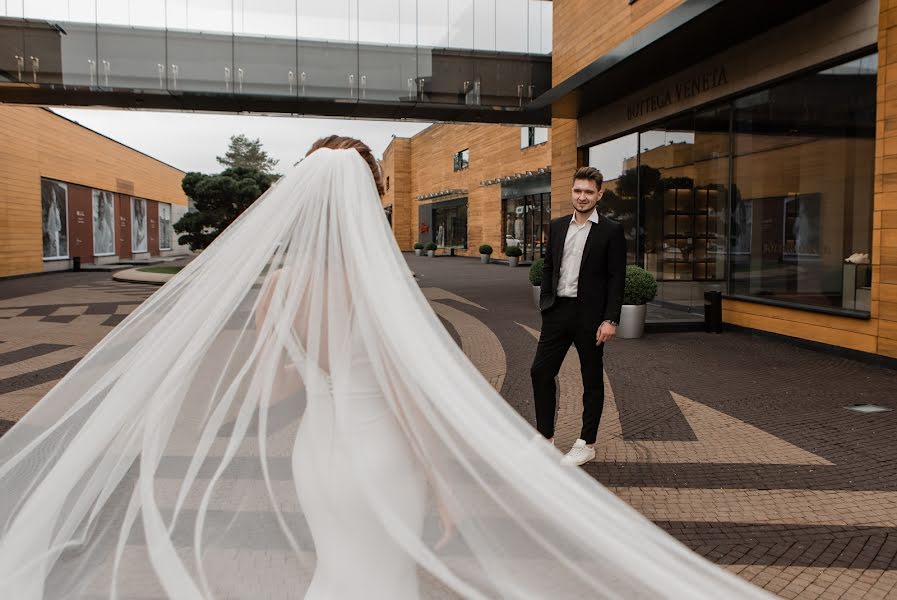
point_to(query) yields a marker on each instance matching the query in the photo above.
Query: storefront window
(803, 174)
(683, 179)
(525, 223)
(787, 217)
(618, 162)
(450, 224)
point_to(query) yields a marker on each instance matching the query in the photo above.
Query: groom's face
(585, 195)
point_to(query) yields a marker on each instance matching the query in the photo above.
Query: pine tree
(245, 153)
(218, 200)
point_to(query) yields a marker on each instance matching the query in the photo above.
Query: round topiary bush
(513, 251)
(535, 272)
(640, 286)
(418, 246)
(431, 247)
(485, 249)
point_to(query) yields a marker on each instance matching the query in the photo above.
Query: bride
(287, 418)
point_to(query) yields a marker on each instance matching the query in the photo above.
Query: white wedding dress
(288, 418)
(330, 457)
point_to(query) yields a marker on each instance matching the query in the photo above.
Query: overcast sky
(191, 141)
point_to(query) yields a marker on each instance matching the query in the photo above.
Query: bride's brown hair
(338, 142)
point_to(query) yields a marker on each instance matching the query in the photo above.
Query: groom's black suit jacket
(602, 275)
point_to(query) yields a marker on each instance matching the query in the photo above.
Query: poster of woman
(164, 226)
(103, 224)
(138, 225)
(54, 219)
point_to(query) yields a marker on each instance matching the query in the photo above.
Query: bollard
(713, 312)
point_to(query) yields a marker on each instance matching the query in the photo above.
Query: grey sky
(191, 141)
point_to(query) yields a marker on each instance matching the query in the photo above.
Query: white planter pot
(537, 292)
(512, 261)
(632, 321)
(431, 253)
(484, 258)
(417, 251)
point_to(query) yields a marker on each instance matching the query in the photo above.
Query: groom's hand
(605, 333)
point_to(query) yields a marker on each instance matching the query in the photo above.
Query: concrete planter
(431, 253)
(417, 251)
(512, 261)
(632, 321)
(537, 292)
(484, 258)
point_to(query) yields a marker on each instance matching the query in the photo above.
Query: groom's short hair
(590, 173)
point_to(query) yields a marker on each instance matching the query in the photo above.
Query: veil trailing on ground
(161, 465)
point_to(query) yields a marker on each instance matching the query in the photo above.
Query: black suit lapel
(591, 241)
(558, 241)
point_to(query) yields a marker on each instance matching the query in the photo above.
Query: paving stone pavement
(739, 446)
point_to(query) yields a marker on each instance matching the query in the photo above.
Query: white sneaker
(579, 454)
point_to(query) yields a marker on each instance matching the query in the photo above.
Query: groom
(581, 297)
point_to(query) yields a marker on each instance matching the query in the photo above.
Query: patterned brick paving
(739, 446)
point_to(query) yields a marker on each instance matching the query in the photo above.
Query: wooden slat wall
(494, 152)
(585, 30)
(884, 235)
(36, 143)
(397, 166)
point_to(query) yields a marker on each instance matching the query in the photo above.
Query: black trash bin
(76, 263)
(713, 312)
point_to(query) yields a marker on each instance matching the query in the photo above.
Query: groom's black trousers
(568, 322)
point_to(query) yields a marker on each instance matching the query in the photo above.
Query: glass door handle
(20, 65)
(302, 78)
(291, 78)
(364, 85)
(161, 68)
(227, 79)
(351, 86)
(240, 79)
(107, 69)
(174, 75)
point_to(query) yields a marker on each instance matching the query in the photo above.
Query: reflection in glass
(200, 62)
(130, 58)
(617, 161)
(265, 66)
(804, 174)
(525, 221)
(683, 179)
(450, 224)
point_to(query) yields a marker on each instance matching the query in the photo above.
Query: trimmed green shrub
(640, 286)
(485, 249)
(514, 251)
(431, 246)
(418, 246)
(535, 272)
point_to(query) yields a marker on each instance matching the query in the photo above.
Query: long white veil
(160, 465)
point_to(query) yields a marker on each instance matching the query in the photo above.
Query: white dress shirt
(574, 244)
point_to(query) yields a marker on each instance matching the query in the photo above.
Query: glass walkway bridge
(464, 60)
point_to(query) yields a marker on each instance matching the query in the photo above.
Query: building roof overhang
(692, 31)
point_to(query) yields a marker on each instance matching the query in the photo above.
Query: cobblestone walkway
(739, 446)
